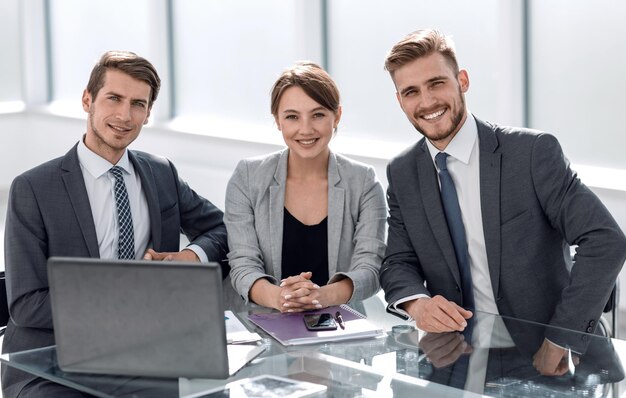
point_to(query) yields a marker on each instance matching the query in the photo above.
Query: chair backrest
(613, 299)
(4, 307)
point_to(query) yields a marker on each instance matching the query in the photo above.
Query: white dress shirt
(464, 167)
(463, 164)
(100, 190)
(99, 183)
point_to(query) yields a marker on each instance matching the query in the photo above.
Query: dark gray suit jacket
(533, 207)
(49, 215)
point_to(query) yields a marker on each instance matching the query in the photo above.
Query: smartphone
(324, 321)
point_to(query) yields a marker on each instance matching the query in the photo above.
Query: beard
(456, 119)
(92, 123)
(100, 136)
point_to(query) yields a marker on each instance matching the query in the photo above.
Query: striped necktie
(126, 238)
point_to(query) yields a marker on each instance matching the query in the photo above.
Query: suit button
(589, 329)
(591, 323)
(585, 337)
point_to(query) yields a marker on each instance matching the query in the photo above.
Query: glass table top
(405, 362)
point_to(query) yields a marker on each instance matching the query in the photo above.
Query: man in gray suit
(518, 204)
(70, 206)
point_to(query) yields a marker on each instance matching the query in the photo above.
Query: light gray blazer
(357, 211)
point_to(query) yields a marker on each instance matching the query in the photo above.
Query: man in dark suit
(78, 206)
(496, 238)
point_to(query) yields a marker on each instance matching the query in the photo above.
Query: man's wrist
(411, 307)
(397, 305)
(199, 253)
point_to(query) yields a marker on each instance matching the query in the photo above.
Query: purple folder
(289, 328)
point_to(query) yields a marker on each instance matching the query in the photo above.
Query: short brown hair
(418, 44)
(311, 78)
(128, 62)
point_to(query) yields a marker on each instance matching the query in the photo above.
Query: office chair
(4, 306)
(611, 329)
(608, 329)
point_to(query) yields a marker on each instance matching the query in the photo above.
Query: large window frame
(513, 92)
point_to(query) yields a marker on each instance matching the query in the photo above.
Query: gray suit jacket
(533, 207)
(49, 215)
(255, 201)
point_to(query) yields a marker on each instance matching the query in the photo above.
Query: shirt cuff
(396, 306)
(199, 252)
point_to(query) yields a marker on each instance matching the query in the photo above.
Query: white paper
(236, 332)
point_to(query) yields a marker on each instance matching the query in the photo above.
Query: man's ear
(399, 99)
(463, 78)
(147, 116)
(86, 100)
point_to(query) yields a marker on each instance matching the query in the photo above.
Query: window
(228, 55)
(10, 66)
(80, 32)
(488, 39)
(577, 80)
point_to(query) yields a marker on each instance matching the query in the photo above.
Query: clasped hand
(298, 293)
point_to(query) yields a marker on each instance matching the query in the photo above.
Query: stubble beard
(99, 137)
(457, 118)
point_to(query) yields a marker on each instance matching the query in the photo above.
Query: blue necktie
(457, 230)
(126, 239)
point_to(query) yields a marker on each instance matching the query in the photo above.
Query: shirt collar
(462, 144)
(97, 165)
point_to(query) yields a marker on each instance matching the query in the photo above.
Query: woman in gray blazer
(305, 225)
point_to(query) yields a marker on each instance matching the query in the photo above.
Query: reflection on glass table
(496, 360)
(343, 378)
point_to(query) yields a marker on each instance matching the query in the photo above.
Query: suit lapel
(75, 186)
(336, 199)
(490, 167)
(148, 186)
(276, 214)
(431, 197)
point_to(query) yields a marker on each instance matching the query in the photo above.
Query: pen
(339, 319)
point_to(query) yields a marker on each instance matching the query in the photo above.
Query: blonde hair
(418, 44)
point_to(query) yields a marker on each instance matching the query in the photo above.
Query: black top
(305, 248)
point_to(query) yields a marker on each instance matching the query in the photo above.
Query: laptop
(139, 318)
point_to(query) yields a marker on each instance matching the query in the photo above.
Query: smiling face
(116, 114)
(306, 125)
(431, 95)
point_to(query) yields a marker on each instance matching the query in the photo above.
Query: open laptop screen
(133, 317)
